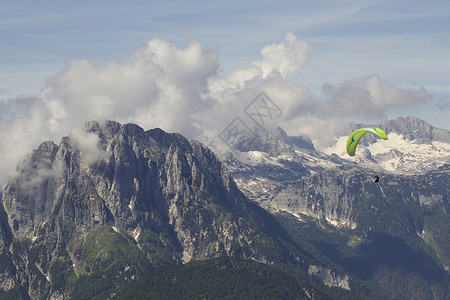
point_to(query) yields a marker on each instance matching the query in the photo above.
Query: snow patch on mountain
(397, 154)
(314, 161)
(255, 158)
(338, 147)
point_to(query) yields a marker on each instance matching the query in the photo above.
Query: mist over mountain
(107, 205)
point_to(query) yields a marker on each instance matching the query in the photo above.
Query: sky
(195, 67)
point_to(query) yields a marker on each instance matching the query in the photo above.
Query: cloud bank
(370, 98)
(181, 90)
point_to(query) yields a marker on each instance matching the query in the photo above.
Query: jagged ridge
(77, 210)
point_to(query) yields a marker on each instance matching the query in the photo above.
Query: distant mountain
(413, 128)
(393, 235)
(414, 147)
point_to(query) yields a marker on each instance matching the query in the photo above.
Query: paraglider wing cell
(354, 138)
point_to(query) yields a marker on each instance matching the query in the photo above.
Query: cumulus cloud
(181, 90)
(369, 98)
(285, 58)
(158, 85)
(278, 61)
(22, 128)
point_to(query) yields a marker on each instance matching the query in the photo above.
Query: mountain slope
(226, 278)
(393, 235)
(221, 278)
(374, 231)
(90, 214)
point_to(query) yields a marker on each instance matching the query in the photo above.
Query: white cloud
(285, 58)
(88, 144)
(180, 90)
(369, 98)
(22, 128)
(158, 85)
(322, 131)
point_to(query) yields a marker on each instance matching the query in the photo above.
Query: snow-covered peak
(397, 154)
(413, 147)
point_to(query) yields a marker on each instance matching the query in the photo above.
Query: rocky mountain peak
(167, 198)
(410, 127)
(134, 165)
(274, 142)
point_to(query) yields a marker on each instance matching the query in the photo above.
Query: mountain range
(80, 221)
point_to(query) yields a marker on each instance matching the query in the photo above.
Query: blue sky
(400, 40)
(405, 43)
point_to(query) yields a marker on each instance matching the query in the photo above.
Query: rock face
(136, 197)
(348, 197)
(413, 128)
(375, 231)
(328, 277)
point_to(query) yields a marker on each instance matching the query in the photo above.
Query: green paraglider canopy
(354, 138)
